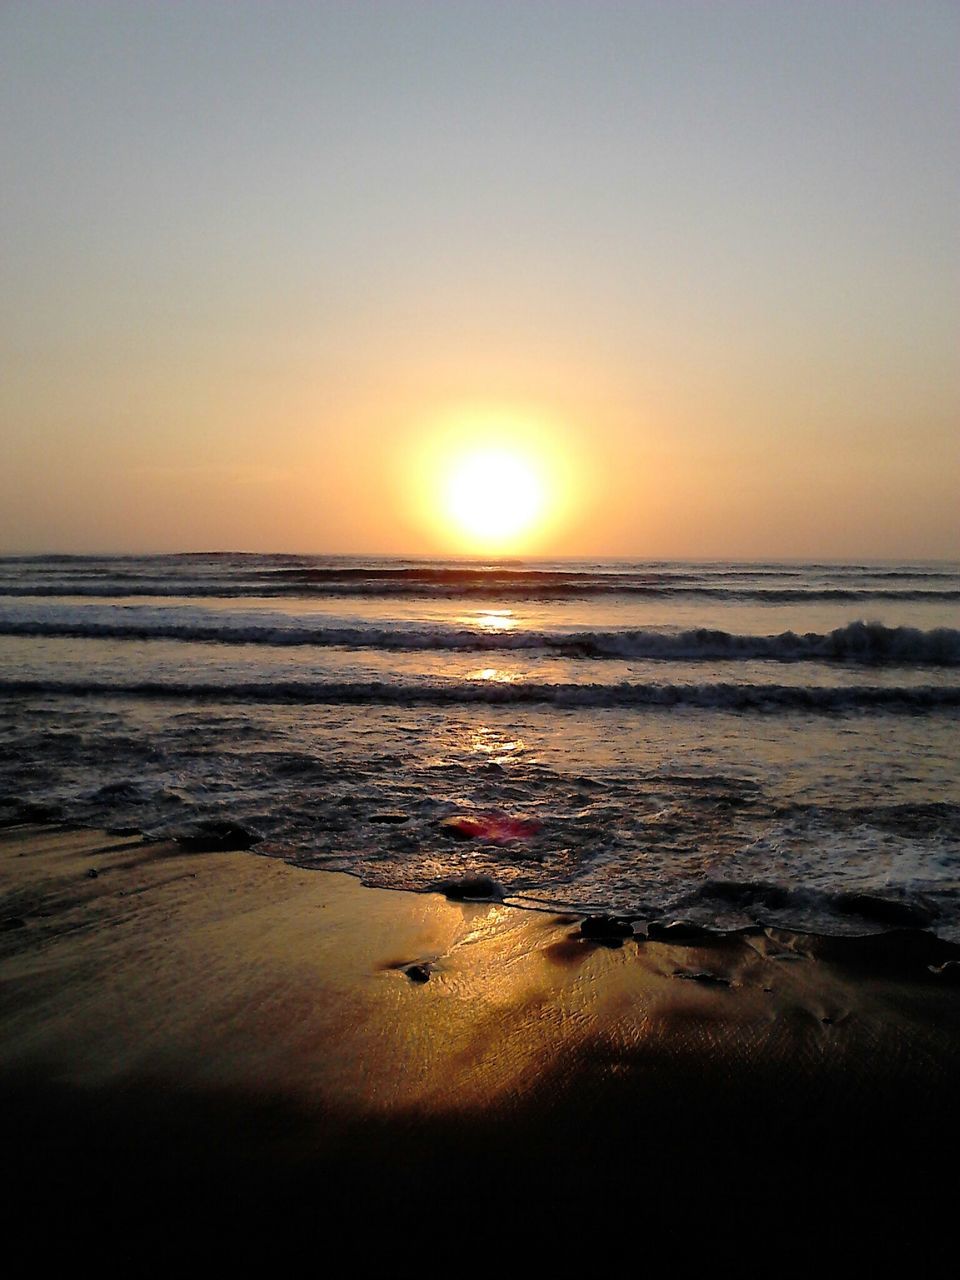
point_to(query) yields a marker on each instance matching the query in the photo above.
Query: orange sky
(268, 269)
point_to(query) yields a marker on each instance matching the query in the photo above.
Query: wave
(611, 577)
(453, 589)
(869, 643)
(306, 569)
(730, 697)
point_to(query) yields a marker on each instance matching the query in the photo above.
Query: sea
(718, 743)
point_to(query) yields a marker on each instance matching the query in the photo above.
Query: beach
(571, 914)
(480, 638)
(200, 1041)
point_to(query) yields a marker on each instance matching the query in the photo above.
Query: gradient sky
(260, 259)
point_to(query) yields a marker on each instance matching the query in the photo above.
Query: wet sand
(223, 1053)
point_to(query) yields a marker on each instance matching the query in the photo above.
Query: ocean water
(719, 743)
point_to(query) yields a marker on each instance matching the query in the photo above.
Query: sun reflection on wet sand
(411, 1038)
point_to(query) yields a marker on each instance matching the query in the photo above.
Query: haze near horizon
(565, 279)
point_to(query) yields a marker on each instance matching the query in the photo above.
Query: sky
(269, 271)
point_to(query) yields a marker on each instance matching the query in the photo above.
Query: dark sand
(219, 1053)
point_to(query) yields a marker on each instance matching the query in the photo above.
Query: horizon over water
(721, 742)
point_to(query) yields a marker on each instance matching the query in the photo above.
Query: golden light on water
(498, 674)
(495, 744)
(493, 620)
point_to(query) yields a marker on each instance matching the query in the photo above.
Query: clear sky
(267, 267)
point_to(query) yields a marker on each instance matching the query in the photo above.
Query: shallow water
(724, 743)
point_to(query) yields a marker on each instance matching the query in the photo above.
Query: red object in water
(491, 826)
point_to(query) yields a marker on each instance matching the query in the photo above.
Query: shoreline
(872, 930)
(231, 1032)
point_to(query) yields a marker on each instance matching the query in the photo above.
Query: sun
(478, 479)
(493, 496)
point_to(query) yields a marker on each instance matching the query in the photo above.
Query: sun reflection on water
(492, 619)
(492, 742)
(498, 675)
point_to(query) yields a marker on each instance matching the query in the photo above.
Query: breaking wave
(858, 642)
(731, 697)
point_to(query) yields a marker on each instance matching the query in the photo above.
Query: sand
(221, 1052)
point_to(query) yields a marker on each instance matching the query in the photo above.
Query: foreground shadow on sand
(657, 1150)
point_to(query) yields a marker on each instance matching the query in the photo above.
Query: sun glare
(487, 481)
(493, 496)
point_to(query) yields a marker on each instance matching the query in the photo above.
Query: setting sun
(493, 495)
(484, 480)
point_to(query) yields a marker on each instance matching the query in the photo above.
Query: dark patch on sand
(606, 928)
(471, 889)
(708, 979)
(216, 837)
(568, 950)
(418, 973)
